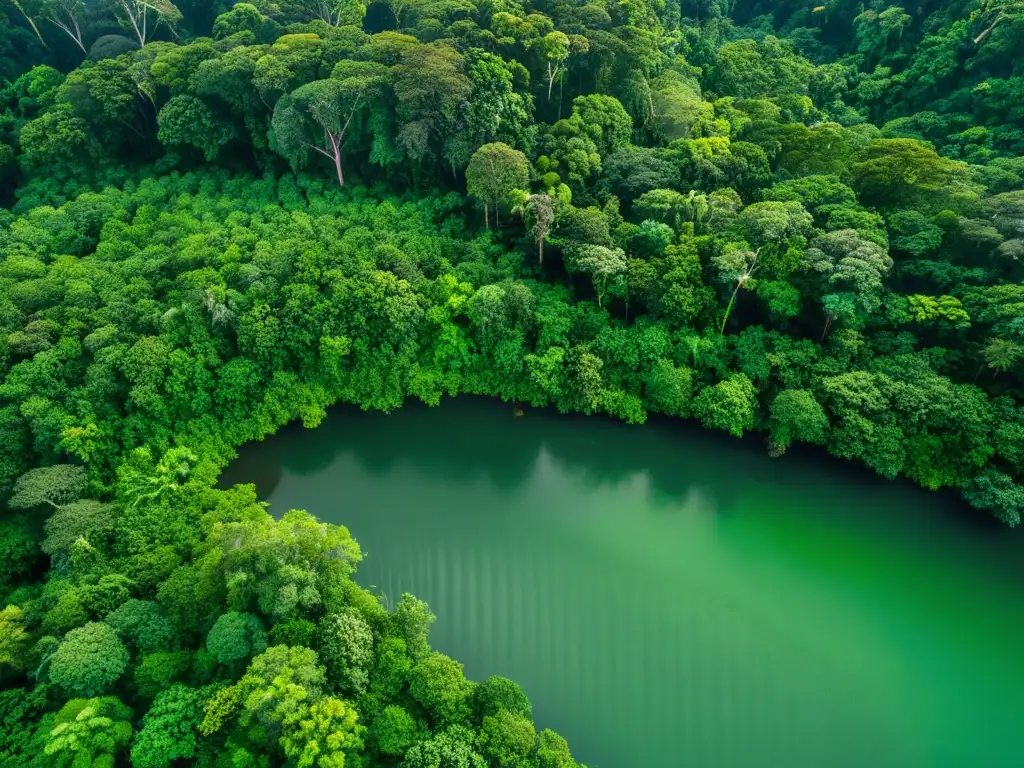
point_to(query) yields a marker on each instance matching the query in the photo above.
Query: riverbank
(643, 583)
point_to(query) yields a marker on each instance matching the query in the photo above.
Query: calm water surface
(670, 597)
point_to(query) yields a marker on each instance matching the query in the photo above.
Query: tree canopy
(771, 217)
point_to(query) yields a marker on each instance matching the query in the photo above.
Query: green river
(670, 597)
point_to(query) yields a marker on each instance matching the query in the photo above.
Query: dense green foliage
(775, 217)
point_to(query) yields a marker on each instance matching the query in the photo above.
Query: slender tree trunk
(336, 156)
(740, 282)
(75, 35)
(988, 31)
(551, 79)
(334, 153)
(31, 23)
(133, 19)
(824, 331)
(540, 251)
(487, 218)
(337, 166)
(728, 309)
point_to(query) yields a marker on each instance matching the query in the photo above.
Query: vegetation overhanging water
(666, 597)
(767, 216)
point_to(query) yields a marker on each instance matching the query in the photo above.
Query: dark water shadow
(452, 442)
(473, 439)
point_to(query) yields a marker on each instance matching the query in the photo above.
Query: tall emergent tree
(66, 16)
(495, 171)
(735, 265)
(143, 17)
(322, 115)
(539, 214)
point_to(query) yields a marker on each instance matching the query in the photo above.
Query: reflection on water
(672, 597)
(698, 502)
